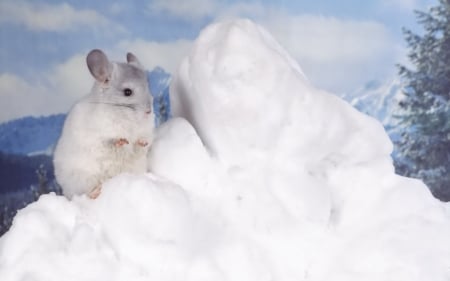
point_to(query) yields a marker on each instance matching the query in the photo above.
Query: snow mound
(259, 176)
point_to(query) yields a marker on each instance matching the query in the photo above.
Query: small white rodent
(109, 131)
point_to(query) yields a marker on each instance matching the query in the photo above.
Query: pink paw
(120, 142)
(142, 143)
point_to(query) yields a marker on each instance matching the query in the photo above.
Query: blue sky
(341, 45)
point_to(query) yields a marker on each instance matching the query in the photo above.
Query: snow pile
(274, 180)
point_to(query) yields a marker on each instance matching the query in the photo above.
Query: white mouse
(109, 131)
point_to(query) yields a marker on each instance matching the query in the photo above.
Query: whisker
(131, 106)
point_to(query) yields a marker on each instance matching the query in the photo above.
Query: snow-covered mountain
(30, 135)
(159, 81)
(260, 176)
(377, 99)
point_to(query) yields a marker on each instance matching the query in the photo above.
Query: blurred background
(388, 58)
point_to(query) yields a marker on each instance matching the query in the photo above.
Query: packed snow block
(243, 93)
(254, 109)
(178, 153)
(259, 176)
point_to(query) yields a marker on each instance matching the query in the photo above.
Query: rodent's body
(106, 133)
(86, 155)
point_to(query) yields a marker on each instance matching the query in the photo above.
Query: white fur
(86, 154)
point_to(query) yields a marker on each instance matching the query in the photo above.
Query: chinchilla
(109, 131)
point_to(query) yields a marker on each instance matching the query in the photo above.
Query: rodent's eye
(127, 92)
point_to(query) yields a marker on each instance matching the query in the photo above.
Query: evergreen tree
(424, 148)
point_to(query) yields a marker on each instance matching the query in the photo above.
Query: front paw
(141, 142)
(120, 142)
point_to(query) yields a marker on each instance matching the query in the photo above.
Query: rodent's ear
(132, 59)
(99, 65)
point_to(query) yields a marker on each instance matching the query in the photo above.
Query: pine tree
(424, 148)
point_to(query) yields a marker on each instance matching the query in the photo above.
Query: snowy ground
(259, 177)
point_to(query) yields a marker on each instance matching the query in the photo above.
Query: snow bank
(268, 179)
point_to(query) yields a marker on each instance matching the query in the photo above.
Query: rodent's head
(119, 84)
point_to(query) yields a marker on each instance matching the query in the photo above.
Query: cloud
(117, 8)
(150, 53)
(402, 5)
(70, 81)
(185, 10)
(251, 10)
(57, 18)
(335, 53)
(18, 98)
(328, 39)
(51, 92)
(193, 10)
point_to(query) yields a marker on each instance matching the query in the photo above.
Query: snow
(259, 176)
(378, 99)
